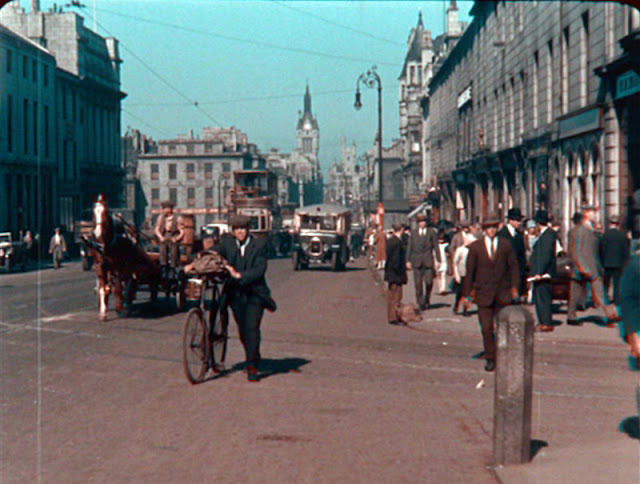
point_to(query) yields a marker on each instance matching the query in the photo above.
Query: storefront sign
(464, 97)
(580, 123)
(627, 84)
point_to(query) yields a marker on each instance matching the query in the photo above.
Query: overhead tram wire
(335, 24)
(247, 41)
(167, 83)
(139, 119)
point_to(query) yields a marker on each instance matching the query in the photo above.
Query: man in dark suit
(423, 244)
(511, 231)
(588, 270)
(543, 268)
(614, 252)
(248, 292)
(491, 282)
(395, 272)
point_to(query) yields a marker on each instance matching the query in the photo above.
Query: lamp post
(371, 79)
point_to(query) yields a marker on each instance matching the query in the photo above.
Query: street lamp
(371, 79)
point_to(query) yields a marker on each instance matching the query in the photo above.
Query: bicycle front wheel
(195, 346)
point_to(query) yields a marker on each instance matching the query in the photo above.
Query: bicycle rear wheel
(195, 346)
(219, 324)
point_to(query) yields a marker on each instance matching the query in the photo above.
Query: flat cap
(421, 217)
(239, 222)
(167, 204)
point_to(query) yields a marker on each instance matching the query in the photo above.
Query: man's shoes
(573, 322)
(252, 373)
(544, 328)
(394, 322)
(490, 365)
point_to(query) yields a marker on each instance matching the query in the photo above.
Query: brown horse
(118, 261)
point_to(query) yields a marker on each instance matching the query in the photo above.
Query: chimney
(35, 6)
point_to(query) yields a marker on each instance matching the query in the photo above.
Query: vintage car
(12, 254)
(320, 235)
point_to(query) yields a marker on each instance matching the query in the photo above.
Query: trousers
(423, 281)
(394, 298)
(247, 311)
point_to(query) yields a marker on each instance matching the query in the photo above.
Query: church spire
(307, 101)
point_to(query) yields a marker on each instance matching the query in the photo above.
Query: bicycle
(204, 339)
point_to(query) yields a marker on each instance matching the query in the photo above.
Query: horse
(118, 260)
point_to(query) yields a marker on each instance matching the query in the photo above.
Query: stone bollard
(513, 387)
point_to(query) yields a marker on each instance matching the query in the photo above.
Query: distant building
(196, 173)
(77, 124)
(343, 178)
(423, 58)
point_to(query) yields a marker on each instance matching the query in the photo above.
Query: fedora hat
(421, 217)
(491, 220)
(514, 214)
(542, 217)
(239, 222)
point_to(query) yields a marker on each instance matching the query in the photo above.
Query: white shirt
(491, 245)
(511, 230)
(243, 246)
(422, 232)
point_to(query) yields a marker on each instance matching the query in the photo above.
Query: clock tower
(308, 134)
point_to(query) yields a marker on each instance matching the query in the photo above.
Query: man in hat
(249, 294)
(492, 279)
(511, 232)
(169, 232)
(543, 269)
(423, 244)
(395, 272)
(587, 269)
(614, 252)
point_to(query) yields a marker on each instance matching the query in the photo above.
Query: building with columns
(74, 129)
(534, 108)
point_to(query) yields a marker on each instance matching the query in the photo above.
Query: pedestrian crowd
(496, 263)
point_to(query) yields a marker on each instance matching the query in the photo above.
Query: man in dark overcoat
(588, 270)
(491, 282)
(511, 232)
(421, 252)
(614, 252)
(395, 272)
(543, 269)
(248, 292)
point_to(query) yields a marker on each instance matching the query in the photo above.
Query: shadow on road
(270, 367)
(631, 427)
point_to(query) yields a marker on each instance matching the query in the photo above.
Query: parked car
(320, 235)
(12, 254)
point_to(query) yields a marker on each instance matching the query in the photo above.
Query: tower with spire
(308, 133)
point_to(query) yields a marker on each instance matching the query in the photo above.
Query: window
(10, 123)
(155, 171)
(208, 170)
(24, 66)
(25, 113)
(564, 71)
(190, 148)
(35, 128)
(46, 131)
(549, 77)
(191, 169)
(584, 59)
(34, 70)
(306, 145)
(226, 167)
(208, 195)
(172, 148)
(45, 75)
(173, 172)
(9, 60)
(534, 93)
(173, 195)
(208, 147)
(191, 197)
(155, 197)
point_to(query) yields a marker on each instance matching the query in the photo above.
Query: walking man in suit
(588, 270)
(543, 269)
(614, 252)
(492, 282)
(423, 244)
(395, 272)
(511, 231)
(248, 292)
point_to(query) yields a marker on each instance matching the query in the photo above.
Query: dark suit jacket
(395, 269)
(252, 268)
(614, 249)
(517, 244)
(422, 247)
(491, 279)
(543, 257)
(630, 296)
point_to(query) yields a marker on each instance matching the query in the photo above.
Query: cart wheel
(219, 324)
(195, 346)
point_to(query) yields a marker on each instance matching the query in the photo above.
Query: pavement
(585, 423)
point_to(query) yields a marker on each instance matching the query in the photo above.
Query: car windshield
(319, 222)
(5, 239)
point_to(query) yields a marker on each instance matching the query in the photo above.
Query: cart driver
(169, 232)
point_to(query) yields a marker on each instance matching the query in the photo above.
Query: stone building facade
(86, 81)
(343, 177)
(28, 157)
(519, 116)
(423, 57)
(195, 173)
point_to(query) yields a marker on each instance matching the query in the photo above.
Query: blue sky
(247, 64)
